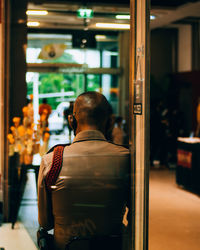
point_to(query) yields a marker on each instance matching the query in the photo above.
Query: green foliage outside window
(29, 88)
(59, 82)
(56, 83)
(93, 83)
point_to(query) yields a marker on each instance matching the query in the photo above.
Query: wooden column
(14, 79)
(1, 102)
(139, 119)
(5, 104)
(18, 42)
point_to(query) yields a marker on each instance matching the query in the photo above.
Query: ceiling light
(152, 17)
(111, 53)
(113, 25)
(127, 17)
(36, 12)
(33, 24)
(100, 37)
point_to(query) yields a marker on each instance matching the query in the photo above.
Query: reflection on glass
(51, 48)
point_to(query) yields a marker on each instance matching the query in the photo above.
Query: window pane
(52, 48)
(93, 83)
(110, 90)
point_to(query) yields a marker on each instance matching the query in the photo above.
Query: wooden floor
(174, 214)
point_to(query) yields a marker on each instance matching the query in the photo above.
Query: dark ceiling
(63, 13)
(170, 3)
(154, 3)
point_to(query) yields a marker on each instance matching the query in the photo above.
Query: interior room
(65, 48)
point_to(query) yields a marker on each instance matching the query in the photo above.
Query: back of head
(44, 100)
(92, 108)
(118, 119)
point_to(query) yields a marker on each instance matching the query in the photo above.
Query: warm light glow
(36, 12)
(33, 24)
(111, 53)
(100, 37)
(113, 25)
(127, 17)
(152, 17)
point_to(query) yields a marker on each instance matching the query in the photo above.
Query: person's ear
(72, 122)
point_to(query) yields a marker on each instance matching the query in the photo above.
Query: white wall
(185, 48)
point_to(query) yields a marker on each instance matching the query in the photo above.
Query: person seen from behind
(91, 191)
(117, 132)
(67, 112)
(44, 111)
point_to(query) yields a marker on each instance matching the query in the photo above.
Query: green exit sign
(85, 13)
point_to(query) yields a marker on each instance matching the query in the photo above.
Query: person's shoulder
(119, 148)
(48, 157)
(46, 163)
(58, 145)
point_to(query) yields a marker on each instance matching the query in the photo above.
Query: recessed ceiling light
(152, 17)
(36, 12)
(33, 24)
(127, 17)
(113, 25)
(100, 37)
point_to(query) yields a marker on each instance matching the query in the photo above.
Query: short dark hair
(118, 119)
(97, 111)
(44, 100)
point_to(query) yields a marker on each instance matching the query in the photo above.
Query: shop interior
(68, 50)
